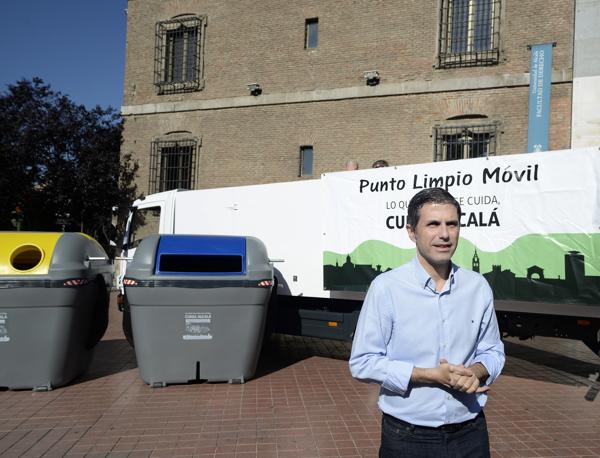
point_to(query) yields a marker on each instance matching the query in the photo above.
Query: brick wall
(263, 42)
(248, 41)
(261, 144)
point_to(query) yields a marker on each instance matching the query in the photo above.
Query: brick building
(232, 92)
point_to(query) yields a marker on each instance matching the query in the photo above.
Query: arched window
(173, 162)
(465, 137)
(178, 61)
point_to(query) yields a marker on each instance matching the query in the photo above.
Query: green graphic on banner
(535, 267)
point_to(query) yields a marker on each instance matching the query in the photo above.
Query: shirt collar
(425, 279)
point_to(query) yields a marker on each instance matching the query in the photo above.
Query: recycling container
(53, 306)
(198, 306)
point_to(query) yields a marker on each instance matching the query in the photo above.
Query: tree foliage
(60, 165)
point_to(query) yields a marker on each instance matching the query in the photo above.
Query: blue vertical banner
(540, 87)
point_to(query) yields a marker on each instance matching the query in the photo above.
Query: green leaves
(60, 162)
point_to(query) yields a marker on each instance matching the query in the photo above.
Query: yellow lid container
(26, 253)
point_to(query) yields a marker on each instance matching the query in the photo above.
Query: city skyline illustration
(575, 287)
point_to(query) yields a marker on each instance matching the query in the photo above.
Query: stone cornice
(355, 92)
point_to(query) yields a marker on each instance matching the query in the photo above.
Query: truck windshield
(144, 222)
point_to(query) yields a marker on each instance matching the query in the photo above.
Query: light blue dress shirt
(405, 323)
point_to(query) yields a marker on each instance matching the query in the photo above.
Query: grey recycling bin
(198, 306)
(54, 293)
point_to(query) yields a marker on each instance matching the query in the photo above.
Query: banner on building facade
(530, 223)
(540, 88)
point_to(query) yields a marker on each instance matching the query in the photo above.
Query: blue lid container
(200, 255)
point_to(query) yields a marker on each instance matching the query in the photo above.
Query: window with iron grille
(306, 161)
(464, 142)
(469, 33)
(173, 165)
(178, 61)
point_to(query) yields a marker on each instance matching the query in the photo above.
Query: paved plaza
(302, 403)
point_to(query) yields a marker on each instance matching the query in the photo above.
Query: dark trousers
(401, 439)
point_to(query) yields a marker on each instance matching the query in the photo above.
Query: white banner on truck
(530, 216)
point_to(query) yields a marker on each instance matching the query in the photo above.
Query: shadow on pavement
(278, 352)
(526, 362)
(283, 350)
(110, 357)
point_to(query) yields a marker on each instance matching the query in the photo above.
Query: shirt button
(449, 397)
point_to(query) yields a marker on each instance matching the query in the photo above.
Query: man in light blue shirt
(428, 334)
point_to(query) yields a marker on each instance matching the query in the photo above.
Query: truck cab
(151, 215)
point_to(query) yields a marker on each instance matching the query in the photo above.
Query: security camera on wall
(371, 77)
(254, 89)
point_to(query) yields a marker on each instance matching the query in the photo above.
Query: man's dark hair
(428, 196)
(380, 163)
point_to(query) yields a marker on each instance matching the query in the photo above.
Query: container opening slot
(26, 257)
(202, 263)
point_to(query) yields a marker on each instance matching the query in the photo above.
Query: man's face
(436, 234)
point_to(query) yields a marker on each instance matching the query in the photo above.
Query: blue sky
(76, 46)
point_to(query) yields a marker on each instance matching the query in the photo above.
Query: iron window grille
(465, 142)
(469, 33)
(178, 58)
(173, 165)
(306, 161)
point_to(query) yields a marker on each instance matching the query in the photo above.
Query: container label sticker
(197, 326)
(4, 327)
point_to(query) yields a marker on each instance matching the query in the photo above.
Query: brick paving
(302, 403)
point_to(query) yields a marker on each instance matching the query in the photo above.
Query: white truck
(530, 225)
